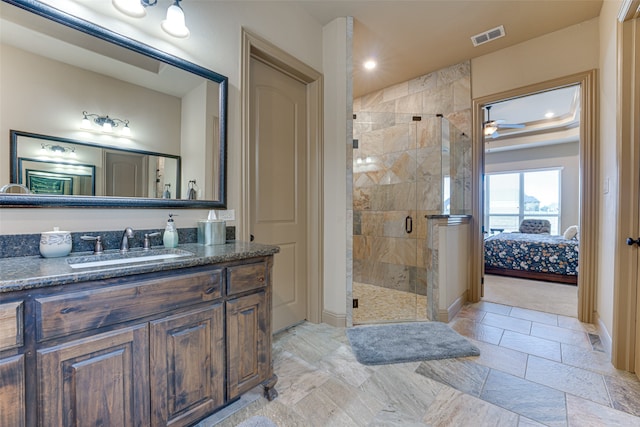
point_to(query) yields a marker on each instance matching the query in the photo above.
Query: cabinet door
(187, 366)
(248, 360)
(12, 393)
(97, 381)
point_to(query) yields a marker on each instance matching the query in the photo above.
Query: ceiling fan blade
(510, 126)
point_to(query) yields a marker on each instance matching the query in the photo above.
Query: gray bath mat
(257, 421)
(407, 342)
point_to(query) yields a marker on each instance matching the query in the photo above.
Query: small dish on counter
(56, 243)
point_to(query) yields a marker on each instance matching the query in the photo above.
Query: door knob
(632, 242)
(252, 238)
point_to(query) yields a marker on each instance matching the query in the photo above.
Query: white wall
(215, 43)
(565, 156)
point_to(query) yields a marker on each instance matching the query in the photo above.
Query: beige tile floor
(535, 368)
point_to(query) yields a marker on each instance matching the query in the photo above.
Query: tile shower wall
(397, 172)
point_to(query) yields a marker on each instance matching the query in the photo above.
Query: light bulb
(132, 8)
(86, 123)
(175, 25)
(126, 130)
(106, 127)
(370, 64)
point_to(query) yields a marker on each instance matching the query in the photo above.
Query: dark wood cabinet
(101, 380)
(187, 366)
(246, 342)
(12, 391)
(12, 365)
(157, 349)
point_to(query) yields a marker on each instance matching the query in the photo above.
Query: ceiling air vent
(487, 36)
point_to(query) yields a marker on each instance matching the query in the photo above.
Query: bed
(532, 256)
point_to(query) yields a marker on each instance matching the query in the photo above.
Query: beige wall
(337, 137)
(590, 45)
(608, 162)
(561, 53)
(51, 103)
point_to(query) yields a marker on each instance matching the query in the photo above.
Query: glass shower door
(387, 224)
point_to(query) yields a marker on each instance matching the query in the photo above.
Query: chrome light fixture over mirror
(105, 123)
(174, 24)
(115, 74)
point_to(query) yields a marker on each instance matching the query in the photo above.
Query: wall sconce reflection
(58, 150)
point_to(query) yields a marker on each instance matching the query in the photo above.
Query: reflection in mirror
(171, 106)
(49, 165)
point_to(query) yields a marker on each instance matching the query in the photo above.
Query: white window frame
(521, 214)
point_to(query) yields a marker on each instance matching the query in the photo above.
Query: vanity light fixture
(58, 150)
(106, 123)
(174, 24)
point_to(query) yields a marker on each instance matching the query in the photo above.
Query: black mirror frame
(27, 200)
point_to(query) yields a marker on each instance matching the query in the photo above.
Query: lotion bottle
(170, 238)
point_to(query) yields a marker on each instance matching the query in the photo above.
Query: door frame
(589, 179)
(256, 47)
(626, 295)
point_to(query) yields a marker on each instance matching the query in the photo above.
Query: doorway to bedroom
(532, 200)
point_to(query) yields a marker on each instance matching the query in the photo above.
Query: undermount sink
(131, 257)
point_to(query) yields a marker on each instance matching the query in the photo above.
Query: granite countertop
(20, 273)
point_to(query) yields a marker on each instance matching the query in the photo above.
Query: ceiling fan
(491, 126)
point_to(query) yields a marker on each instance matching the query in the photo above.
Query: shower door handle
(408, 224)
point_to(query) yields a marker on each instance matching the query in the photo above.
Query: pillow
(571, 232)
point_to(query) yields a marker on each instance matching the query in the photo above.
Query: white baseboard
(451, 311)
(334, 319)
(605, 337)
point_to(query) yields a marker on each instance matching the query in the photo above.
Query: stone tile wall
(397, 172)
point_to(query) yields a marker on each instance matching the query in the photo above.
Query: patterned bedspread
(532, 252)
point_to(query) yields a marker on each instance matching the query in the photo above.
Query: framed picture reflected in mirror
(44, 177)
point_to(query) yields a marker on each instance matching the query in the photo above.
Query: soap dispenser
(170, 238)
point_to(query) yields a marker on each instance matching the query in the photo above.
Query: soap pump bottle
(170, 237)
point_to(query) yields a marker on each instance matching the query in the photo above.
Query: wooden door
(101, 380)
(278, 180)
(126, 174)
(248, 361)
(187, 366)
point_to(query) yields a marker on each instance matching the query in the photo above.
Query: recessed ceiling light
(549, 114)
(370, 64)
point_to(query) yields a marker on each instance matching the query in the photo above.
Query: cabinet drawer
(11, 325)
(242, 278)
(64, 314)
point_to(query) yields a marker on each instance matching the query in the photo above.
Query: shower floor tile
(377, 304)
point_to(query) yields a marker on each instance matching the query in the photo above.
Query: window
(513, 196)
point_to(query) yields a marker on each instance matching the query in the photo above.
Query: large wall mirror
(55, 69)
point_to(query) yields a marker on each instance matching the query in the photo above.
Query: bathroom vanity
(162, 343)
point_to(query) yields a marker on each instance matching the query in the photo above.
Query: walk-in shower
(405, 167)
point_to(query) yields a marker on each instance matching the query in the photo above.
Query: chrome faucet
(124, 245)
